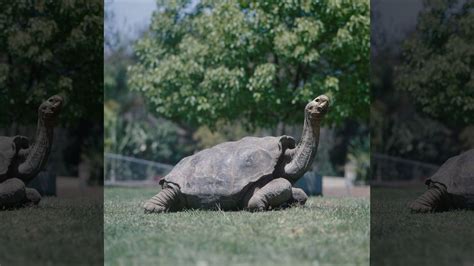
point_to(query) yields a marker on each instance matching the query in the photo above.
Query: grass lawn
(57, 232)
(327, 230)
(399, 237)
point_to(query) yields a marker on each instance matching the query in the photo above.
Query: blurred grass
(399, 237)
(56, 232)
(326, 231)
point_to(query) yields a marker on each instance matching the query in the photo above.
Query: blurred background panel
(422, 102)
(46, 48)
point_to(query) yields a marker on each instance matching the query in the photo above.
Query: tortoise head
(50, 108)
(317, 108)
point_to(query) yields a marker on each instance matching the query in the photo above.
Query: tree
(128, 128)
(254, 61)
(49, 47)
(437, 66)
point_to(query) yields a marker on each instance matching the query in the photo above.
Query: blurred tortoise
(252, 173)
(20, 162)
(451, 187)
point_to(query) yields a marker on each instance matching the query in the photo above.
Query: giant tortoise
(252, 173)
(20, 162)
(451, 187)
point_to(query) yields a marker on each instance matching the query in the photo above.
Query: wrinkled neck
(39, 152)
(304, 153)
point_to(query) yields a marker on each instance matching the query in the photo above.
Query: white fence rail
(387, 168)
(123, 169)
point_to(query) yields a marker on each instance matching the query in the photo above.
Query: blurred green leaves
(437, 67)
(254, 61)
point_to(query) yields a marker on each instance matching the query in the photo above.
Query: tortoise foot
(299, 197)
(12, 193)
(33, 197)
(272, 195)
(151, 207)
(256, 204)
(417, 207)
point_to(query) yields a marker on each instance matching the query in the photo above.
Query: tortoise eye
(317, 100)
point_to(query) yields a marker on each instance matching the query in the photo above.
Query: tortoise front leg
(273, 194)
(33, 197)
(168, 199)
(12, 193)
(298, 196)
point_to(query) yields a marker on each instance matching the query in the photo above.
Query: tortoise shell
(457, 174)
(224, 170)
(9, 147)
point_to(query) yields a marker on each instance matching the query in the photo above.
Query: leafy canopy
(256, 61)
(437, 67)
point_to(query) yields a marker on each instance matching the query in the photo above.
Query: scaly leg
(168, 199)
(12, 193)
(435, 198)
(33, 197)
(299, 197)
(273, 194)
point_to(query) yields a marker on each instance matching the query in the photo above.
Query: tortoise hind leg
(275, 193)
(168, 199)
(436, 198)
(12, 193)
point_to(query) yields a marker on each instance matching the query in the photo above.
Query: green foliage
(207, 138)
(437, 67)
(49, 47)
(254, 61)
(128, 128)
(143, 136)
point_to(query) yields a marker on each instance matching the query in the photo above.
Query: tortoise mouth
(49, 114)
(318, 107)
(321, 109)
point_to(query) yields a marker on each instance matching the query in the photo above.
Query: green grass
(399, 237)
(57, 232)
(326, 230)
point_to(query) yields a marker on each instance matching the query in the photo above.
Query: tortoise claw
(153, 208)
(416, 207)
